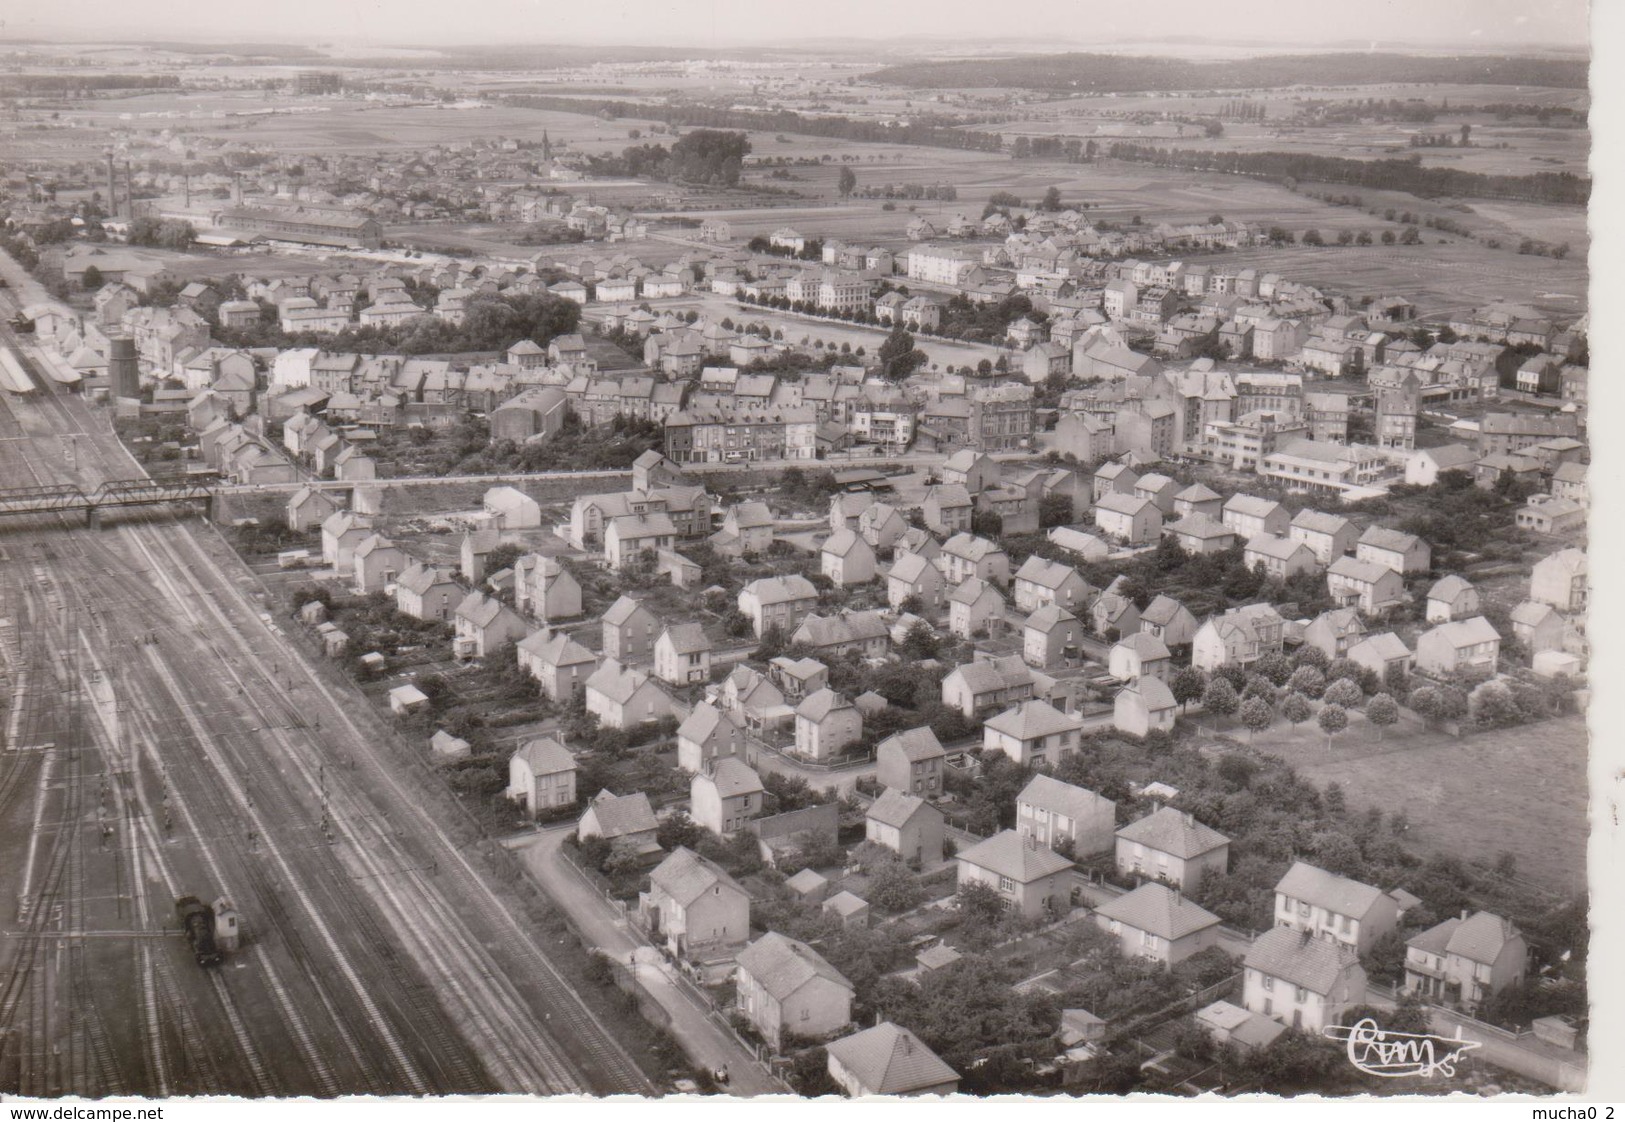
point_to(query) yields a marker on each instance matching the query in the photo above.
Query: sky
(723, 23)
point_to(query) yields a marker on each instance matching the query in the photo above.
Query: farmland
(1471, 796)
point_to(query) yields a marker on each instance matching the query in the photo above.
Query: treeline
(1391, 175)
(23, 84)
(1123, 73)
(490, 323)
(928, 131)
(705, 156)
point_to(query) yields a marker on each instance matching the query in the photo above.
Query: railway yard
(161, 739)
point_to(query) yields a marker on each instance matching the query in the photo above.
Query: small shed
(373, 661)
(227, 929)
(313, 613)
(335, 642)
(850, 909)
(809, 885)
(869, 703)
(446, 748)
(407, 699)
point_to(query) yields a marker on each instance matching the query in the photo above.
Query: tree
(1220, 697)
(893, 888)
(1275, 666)
(898, 358)
(93, 278)
(1296, 708)
(1343, 668)
(1312, 656)
(846, 183)
(1343, 693)
(1187, 685)
(1336, 803)
(1333, 720)
(1312, 237)
(1308, 681)
(980, 903)
(1052, 199)
(1382, 711)
(1257, 715)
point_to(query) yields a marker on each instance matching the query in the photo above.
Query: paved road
(706, 1043)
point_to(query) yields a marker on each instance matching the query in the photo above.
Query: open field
(1441, 279)
(1522, 789)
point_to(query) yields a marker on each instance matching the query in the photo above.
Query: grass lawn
(1522, 789)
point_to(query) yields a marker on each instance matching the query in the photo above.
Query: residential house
(1461, 646)
(826, 723)
(1052, 636)
(913, 576)
(629, 631)
(780, 602)
(1032, 733)
(846, 559)
(309, 508)
(1249, 516)
(1298, 980)
(377, 562)
(695, 908)
(542, 776)
(831, 636)
(341, 533)
(1172, 846)
(1239, 637)
(965, 555)
(725, 795)
(426, 592)
(485, 625)
(633, 535)
(975, 606)
(1143, 706)
(988, 685)
(1140, 655)
(1334, 908)
(1030, 878)
(1281, 558)
(627, 821)
(682, 655)
(1328, 536)
(1334, 632)
(1158, 923)
(907, 825)
(783, 987)
(1539, 627)
(1127, 518)
(1399, 551)
(621, 697)
(1559, 579)
(888, 1059)
(560, 664)
(1385, 655)
(1169, 620)
(1039, 583)
(1199, 533)
(1451, 598)
(544, 589)
(948, 509)
(1062, 815)
(912, 762)
(512, 509)
(1465, 959)
(881, 526)
(1372, 587)
(750, 525)
(707, 734)
(974, 471)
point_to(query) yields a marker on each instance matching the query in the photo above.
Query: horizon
(721, 25)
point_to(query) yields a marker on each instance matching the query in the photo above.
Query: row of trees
(1407, 174)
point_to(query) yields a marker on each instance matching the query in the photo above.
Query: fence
(1177, 1008)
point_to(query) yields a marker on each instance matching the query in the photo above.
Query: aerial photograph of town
(914, 555)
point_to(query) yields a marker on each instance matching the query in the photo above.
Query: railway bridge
(65, 498)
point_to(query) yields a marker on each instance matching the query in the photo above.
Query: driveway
(604, 928)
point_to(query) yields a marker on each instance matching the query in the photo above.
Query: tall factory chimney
(129, 192)
(122, 370)
(112, 187)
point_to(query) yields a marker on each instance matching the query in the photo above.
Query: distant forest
(1124, 73)
(935, 132)
(1407, 174)
(15, 84)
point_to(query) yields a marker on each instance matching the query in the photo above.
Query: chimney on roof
(1464, 914)
(1190, 820)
